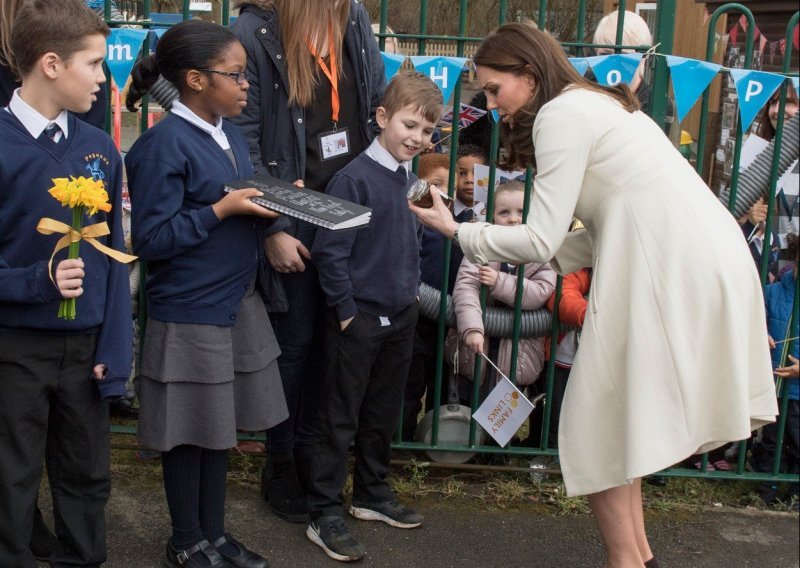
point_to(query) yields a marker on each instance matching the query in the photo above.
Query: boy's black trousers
(360, 401)
(51, 412)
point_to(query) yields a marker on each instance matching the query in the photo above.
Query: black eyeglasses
(238, 76)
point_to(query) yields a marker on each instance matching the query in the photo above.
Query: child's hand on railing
(474, 340)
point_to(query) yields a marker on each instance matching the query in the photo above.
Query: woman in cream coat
(673, 357)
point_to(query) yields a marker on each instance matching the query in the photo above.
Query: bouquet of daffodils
(83, 196)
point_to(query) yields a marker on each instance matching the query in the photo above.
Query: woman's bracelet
(455, 235)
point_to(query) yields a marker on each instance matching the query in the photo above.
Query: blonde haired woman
(315, 75)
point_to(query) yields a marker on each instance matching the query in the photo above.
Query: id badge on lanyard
(336, 142)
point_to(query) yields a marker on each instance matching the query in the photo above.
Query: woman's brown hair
(301, 22)
(522, 49)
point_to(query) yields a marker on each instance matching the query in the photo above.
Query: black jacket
(275, 135)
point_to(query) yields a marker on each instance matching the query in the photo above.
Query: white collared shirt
(219, 136)
(459, 206)
(385, 158)
(33, 121)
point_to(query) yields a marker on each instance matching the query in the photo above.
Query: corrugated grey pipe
(499, 322)
(754, 181)
(116, 15)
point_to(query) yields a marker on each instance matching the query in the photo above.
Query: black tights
(194, 481)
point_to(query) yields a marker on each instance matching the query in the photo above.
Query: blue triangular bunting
(392, 62)
(581, 64)
(612, 70)
(123, 46)
(754, 89)
(690, 78)
(444, 71)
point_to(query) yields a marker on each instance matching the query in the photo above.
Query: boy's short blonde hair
(60, 26)
(415, 89)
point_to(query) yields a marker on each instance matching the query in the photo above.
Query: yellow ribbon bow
(49, 226)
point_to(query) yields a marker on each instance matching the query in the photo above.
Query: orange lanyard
(330, 73)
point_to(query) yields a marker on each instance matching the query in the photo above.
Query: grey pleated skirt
(201, 383)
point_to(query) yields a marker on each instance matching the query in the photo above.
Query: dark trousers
(300, 335)
(764, 455)
(421, 376)
(51, 412)
(560, 376)
(367, 366)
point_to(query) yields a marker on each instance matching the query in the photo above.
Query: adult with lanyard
(316, 78)
(673, 359)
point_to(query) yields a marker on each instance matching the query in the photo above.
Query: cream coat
(673, 357)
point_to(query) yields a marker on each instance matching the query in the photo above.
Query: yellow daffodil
(81, 192)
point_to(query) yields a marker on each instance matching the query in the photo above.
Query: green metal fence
(578, 46)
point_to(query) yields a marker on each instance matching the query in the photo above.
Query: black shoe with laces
(332, 536)
(390, 512)
(191, 557)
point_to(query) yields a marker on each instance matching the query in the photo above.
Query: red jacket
(572, 307)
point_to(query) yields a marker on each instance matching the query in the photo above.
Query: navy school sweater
(198, 266)
(373, 268)
(28, 299)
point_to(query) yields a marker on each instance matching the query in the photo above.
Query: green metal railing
(664, 34)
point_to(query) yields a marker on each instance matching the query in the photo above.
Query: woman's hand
(285, 253)
(437, 217)
(474, 340)
(238, 203)
(790, 371)
(487, 276)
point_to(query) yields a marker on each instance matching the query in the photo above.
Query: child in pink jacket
(501, 279)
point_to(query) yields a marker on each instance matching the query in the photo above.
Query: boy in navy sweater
(56, 372)
(370, 278)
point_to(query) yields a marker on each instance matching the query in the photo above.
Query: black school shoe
(245, 558)
(281, 489)
(189, 558)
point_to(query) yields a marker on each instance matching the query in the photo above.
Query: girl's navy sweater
(198, 266)
(28, 298)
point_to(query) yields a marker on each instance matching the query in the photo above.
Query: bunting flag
(123, 46)
(495, 115)
(734, 34)
(392, 62)
(466, 116)
(754, 89)
(612, 70)
(689, 79)
(580, 64)
(796, 84)
(444, 71)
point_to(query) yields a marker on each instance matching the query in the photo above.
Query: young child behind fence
(501, 280)
(209, 361)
